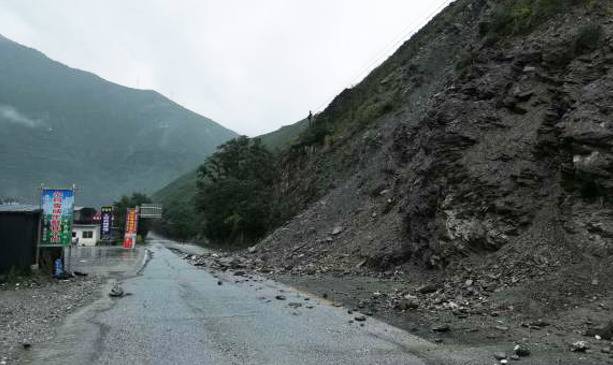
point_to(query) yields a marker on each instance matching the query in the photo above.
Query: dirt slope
(486, 170)
(512, 149)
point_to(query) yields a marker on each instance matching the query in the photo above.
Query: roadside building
(85, 229)
(19, 227)
(85, 234)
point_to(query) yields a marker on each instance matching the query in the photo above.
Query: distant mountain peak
(101, 136)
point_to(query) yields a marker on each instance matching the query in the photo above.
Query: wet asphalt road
(178, 314)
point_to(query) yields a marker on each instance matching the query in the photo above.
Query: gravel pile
(30, 309)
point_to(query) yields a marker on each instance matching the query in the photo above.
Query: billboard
(106, 223)
(150, 211)
(58, 210)
(129, 239)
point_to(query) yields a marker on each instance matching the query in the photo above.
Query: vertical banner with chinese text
(58, 211)
(129, 239)
(106, 223)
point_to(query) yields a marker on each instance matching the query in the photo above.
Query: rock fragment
(360, 318)
(441, 328)
(500, 356)
(604, 331)
(579, 346)
(116, 291)
(427, 289)
(521, 351)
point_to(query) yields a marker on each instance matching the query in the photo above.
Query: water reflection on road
(107, 260)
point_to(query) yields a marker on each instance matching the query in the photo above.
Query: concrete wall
(83, 232)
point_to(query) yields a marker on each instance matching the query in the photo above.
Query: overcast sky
(251, 65)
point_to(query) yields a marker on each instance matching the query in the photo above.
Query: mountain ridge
(138, 140)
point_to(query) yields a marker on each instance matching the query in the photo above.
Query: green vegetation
(284, 136)
(61, 126)
(181, 220)
(235, 192)
(511, 17)
(120, 207)
(228, 200)
(589, 38)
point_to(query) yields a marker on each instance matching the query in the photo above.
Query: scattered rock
(116, 291)
(441, 328)
(280, 297)
(219, 282)
(529, 69)
(294, 305)
(500, 356)
(579, 346)
(239, 273)
(337, 230)
(407, 304)
(360, 318)
(539, 323)
(521, 351)
(427, 289)
(26, 345)
(604, 331)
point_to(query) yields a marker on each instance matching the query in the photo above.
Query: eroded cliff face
(526, 129)
(494, 146)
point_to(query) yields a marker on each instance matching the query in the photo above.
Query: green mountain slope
(284, 136)
(177, 196)
(61, 126)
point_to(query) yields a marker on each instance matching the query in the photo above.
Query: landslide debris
(467, 183)
(476, 162)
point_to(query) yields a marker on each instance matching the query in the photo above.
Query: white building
(85, 234)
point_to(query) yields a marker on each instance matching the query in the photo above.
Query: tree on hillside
(235, 189)
(120, 207)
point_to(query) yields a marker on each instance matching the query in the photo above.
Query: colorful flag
(129, 239)
(106, 223)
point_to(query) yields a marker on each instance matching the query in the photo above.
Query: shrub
(521, 16)
(588, 39)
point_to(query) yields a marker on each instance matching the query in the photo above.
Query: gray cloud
(10, 114)
(250, 65)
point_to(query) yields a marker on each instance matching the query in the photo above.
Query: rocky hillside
(463, 190)
(488, 132)
(61, 126)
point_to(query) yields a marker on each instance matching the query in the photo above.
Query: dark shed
(18, 236)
